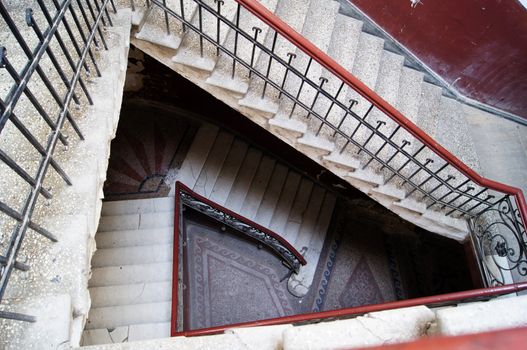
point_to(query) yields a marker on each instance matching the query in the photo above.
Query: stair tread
(126, 294)
(154, 29)
(272, 194)
(197, 155)
(300, 203)
(213, 164)
(145, 254)
(190, 52)
(135, 332)
(228, 173)
(243, 181)
(131, 274)
(130, 238)
(124, 315)
(256, 191)
(133, 206)
(285, 203)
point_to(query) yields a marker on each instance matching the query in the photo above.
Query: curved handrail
(331, 65)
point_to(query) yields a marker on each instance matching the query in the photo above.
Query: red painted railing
(331, 65)
(436, 300)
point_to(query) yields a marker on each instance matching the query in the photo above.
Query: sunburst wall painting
(150, 141)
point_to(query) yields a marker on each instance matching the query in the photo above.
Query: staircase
(301, 102)
(131, 287)
(57, 243)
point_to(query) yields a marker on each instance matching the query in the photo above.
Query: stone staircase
(367, 56)
(54, 289)
(131, 287)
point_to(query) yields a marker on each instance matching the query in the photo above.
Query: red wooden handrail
(331, 65)
(431, 301)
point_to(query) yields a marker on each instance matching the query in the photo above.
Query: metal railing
(314, 88)
(55, 54)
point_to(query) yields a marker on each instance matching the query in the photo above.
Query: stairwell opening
(357, 252)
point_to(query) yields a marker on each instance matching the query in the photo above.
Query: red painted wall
(479, 46)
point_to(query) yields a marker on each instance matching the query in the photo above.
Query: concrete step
(243, 181)
(134, 238)
(136, 221)
(300, 204)
(197, 155)
(124, 315)
(228, 173)
(285, 203)
(134, 206)
(343, 49)
(269, 202)
(342, 161)
(223, 76)
(213, 165)
(317, 146)
(309, 219)
(131, 274)
(365, 176)
(292, 12)
(300, 283)
(132, 333)
(190, 51)
(256, 191)
(154, 28)
(127, 294)
(144, 254)
(320, 36)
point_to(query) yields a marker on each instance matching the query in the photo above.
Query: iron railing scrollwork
(500, 240)
(265, 238)
(63, 29)
(342, 109)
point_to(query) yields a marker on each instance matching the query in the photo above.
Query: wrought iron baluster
(290, 57)
(361, 121)
(377, 128)
(485, 201)
(32, 23)
(419, 168)
(427, 179)
(297, 97)
(22, 173)
(398, 171)
(382, 147)
(218, 26)
(83, 37)
(4, 63)
(18, 265)
(35, 227)
(94, 17)
(275, 35)
(256, 31)
(87, 22)
(103, 9)
(330, 107)
(65, 50)
(66, 25)
(182, 7)
(448, 193)
(321, 86)
(429, 194)
(200, 19)
(397, 151)
(34, 142)
(237, 24)
(352, 103)
(467, 190)
(468, 200)
(20, 230)
(167, 23)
